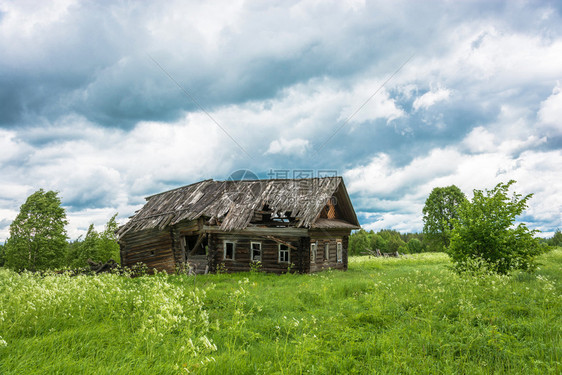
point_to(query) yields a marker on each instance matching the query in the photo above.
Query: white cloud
(550, 113)
(81, 220)
(480, 140)
(364, 103)
(380, 176)
(10, 148)
(397, 221)
(510, 56)
(431, 97)
(400, 192)
(114, 170)
(282, 146)
(31, 18)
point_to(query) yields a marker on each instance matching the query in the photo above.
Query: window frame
(252, 251)
(286, 250)
(313, 251)
(339, 252)
(327, 251)
(233, 250)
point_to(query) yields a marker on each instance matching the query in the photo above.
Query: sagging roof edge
(140, 220)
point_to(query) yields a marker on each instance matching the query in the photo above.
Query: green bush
(484, 233)
(385, 240)
(358, 242)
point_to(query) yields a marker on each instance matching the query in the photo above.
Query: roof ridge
(235, 201)
(252, 180)
(178, 188)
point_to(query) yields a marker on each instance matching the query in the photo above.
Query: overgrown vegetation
(485, 236)
(95, 246)
(384, 315)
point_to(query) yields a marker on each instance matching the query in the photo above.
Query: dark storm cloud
(95, 61)
(43, 67)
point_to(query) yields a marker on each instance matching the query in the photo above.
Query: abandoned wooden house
(302, 225)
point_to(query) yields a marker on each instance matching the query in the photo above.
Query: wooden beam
(280, 241)
(197, 244)
(292, 232)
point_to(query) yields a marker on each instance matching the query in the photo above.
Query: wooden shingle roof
(233, 203)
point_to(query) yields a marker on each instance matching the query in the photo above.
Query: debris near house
(100, 267)
(377, 253)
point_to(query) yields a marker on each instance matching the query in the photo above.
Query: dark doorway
(195, 246)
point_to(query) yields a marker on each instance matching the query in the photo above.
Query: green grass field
(410, 315)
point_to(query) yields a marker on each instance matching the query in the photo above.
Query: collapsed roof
(233, 204)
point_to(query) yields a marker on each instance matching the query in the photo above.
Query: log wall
(330, 238)
(269, 253)
(162, 250)
(151, 247)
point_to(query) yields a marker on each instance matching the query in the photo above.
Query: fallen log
(374, 253)
(99, 267)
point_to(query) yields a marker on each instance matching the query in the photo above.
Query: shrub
(484, 233)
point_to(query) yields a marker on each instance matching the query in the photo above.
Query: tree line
(387, 241)
(38, 238)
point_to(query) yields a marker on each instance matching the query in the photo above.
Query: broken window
(339, 252)
(284, 255)
(229, 250)
(313, 247)
(255, 251)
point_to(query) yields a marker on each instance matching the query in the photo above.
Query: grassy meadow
(409, 315)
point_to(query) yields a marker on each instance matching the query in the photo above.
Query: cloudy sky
(108, 102)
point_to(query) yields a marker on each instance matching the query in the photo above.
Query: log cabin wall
(326, 250)
(212, 245)
(188, 227)
(269, 253)
(177, 249)
(162, 250)
(151, 247)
